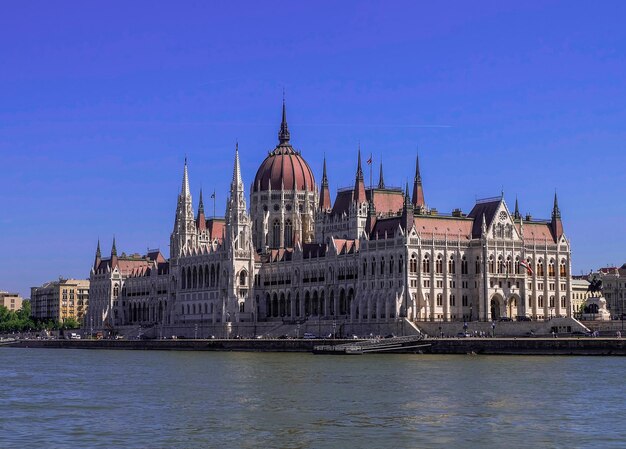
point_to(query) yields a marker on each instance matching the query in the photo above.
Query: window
(477, 266)
(540, 300)
(413, 264)
(288, 234)
(464, 299)
(463, 265)
(451, 266)
(426, 264)
(551, 268)
(439, 299)
(276, 234)
(242, 277)
(452, 300)
(540, 268)
(439, 265)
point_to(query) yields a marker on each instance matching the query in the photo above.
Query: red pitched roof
(442, 226)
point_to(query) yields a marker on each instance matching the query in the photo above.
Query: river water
(62, 398)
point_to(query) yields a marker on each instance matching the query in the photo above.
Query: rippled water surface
(135, 399)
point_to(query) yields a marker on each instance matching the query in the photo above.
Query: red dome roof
(284, 168)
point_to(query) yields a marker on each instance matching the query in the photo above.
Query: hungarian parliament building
(373, 255)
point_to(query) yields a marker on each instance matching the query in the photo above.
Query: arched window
(288, 234)
(492, 265)
(551, 268)
(451, 265)
(364, 267)
(518, 267)
(195, 278)
(189, 277)
(439, 299)
(540, 301)
(382, 266)
(183, 279)
(562, 269)
(426, 264)
(439, 265)
(401, 265)
(501, 267)
(242, 277)
(540, 267)
(242, 307)
(413, 263)
(373, 267)
(331, 304)
(391, 265)
(464, 265)
(276, 234)
(551, 301)
(212, 275)
(477, 265)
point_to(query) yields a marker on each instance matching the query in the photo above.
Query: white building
(375, 255)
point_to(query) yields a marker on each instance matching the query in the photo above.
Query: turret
(381, 179)
(201, 219)
(184, 222)
(359, 185)
(283, 134)
(98, 258)
(324, 191)
(516, 214)
(556, 223)
(407, 211)
(113, 255)
(418, 191)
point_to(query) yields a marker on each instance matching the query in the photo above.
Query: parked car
(309, 336)
(523, 318)
(505, 318)
(463, 335)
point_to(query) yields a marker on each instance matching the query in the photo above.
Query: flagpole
(213, 203)
(371, 185)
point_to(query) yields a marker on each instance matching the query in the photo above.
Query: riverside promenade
(477, 346)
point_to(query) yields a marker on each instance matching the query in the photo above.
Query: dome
(284, 168)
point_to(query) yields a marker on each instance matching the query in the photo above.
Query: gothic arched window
(276, 234)
(288, 234)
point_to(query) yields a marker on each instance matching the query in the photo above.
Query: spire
(184, 191)
(418, 191)
(98, 258)
(200, 204)
(324, 191)
(407, 210)
(381, 179)
(556, 224)
(113, 255)
(556, 213)
(236, 169)
(359, 185)
(516, 214)
(201, 220)
(283, 134)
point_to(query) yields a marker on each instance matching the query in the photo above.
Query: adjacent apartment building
(11, 301)
(60, 300)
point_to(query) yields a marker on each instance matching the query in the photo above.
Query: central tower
(283, 198)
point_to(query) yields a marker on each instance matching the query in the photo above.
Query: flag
(369, 161)
(527, 266)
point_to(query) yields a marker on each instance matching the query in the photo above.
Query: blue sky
(100, 103)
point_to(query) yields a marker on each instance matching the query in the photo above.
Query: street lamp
(493, 329)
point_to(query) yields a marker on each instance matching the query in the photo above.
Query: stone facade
(376, 255)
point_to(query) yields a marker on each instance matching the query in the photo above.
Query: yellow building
(60, 300)
(580, 293)
(11, 301)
